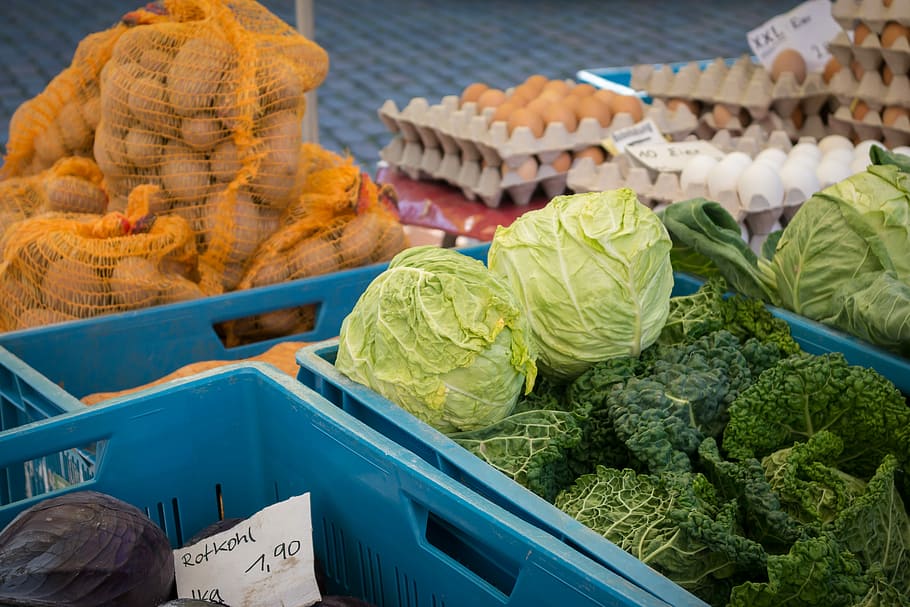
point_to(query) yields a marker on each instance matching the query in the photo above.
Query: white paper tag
(670, 157)
(808, 28)
(264, 561)
(639, 133)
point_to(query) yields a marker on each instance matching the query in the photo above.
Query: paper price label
(808, 28)
(671, 157)
(639, 133)
(264, 561)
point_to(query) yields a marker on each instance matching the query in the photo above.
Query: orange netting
(209, 104)
(71, 185)
(62, 266)
(342, 220)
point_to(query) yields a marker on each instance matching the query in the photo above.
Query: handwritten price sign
(808, 28)
(264, 561)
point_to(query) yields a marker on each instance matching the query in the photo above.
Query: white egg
(760, 187)
(841, 155)
(773, 156)
(807, 149)
(862, 149)
(902, 149)
(834, 142)
(799, 181)
(859, 164)
(831, 171)
(724, 175)
(696, 171)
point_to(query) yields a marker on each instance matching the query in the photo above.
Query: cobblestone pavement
(409, 48)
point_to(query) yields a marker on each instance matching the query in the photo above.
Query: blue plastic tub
(388, 527)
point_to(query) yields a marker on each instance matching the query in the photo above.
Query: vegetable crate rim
(387, 527)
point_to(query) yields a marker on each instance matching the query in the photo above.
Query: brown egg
(538, 104)
(860, 109)
(892, 32)
(887, 75)
(722, 115)
(557, 112)
(473, 91)
(887, 3)
(562, 163)
(526, 171)
(797, 117)
(536, 81)
(857, 69)
(503, 111)
(592, 107)
(831, 68)
(522, 94)
(595, 151)
(860, 32)
(490, 98)
(571, 102)
(582, 89)
(605, 95)
(550, 95)
(560, 86)
(893, 113)
(627, 104)
(675, 102)
(525, 117)
(789, 60)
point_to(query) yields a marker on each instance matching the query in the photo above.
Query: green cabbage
(441, 336)
(593, 273)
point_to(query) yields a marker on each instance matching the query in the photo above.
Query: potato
(202, 132)
(74, 288)
(195, 74)
(252, 224)
(278, 323)
(135, 282)
(312, 257)
(49, 146)
(155, 60)
(228, 109)
(91, 111)
(143, 148)
(76, 133)
(225, 161)
(184, 173)
(109, 152)
(277, 181)
(74, 195)
(392, 241)
(177, 288)
(272, 272)
(280, 85)
(358, 239)
(147, 102)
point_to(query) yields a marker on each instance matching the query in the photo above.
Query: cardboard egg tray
(871, 127)
(742, 84)
(658, 189)
(873, 13)
(871, 55)
(464, 147)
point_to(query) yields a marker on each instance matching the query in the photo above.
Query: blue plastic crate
(388, 527)
(120, 351)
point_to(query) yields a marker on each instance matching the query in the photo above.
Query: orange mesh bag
(61, 120)
(342, 220)
(62, 266)
(209, 105)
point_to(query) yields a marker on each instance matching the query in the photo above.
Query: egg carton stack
(463, 145)
(733, 96)
(873, 84)
(761, 181)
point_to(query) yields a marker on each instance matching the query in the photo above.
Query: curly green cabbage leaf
(815, 572)
(441, 336)
(592, 272)
(803, 395)
(530, 447)
(667, 521)
(810, 488)
(876, 528)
